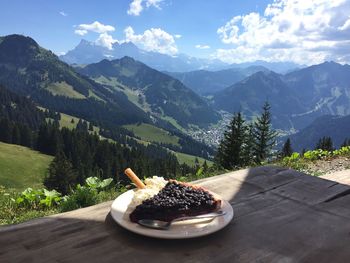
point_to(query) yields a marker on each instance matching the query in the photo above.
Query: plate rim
(161, 234)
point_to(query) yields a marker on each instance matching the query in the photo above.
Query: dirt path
(342, 177)
(329, 166)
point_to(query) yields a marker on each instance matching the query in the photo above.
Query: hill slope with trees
(30, 70)
(164, 94)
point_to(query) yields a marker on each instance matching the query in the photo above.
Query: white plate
(179, 230)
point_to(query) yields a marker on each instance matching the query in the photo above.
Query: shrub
(316, 154)
(345, 150)
(36, 199)
(89, 194)
(82, 196)
(96, 183)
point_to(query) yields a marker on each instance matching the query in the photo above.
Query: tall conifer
(264, 135)
(230, 151)
(61, 176)
(287, 149)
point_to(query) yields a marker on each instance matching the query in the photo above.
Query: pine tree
(91, 127)
(248, 149)
(16, 135)
(303, 151)
(205, 166)
(264, 135)
(287, 149)
(61, 176)
(43, 138)
(82, 125)
(346, 142)
(26, 136)
(5, 131)
(325, 143)
(54, 141)
(196, 163)
(56, 124)
(230, 151)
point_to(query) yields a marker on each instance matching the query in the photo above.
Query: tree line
(324, 143)
(246, 143)
(78, 153)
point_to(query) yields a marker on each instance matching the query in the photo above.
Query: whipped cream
(153, 186)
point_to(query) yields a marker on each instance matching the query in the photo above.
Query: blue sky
(235, 31)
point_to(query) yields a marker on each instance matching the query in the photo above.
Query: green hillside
(190, 159)
(148, 134)
(160, 93)
(30, 70)
(21, 167)
(66, 121)
(152, 133)
(64, 89)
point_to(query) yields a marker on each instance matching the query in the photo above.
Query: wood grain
(280, 216)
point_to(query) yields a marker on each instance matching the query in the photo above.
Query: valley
(124, 92)
(183, 113)
(144, 134)
(214, 133)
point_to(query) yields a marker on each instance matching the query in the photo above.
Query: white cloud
(202, 46)
(154, 39)
(177, 36)
(80, 32)
(62, 13)
(105, 40)
(302, 31)
(96, 26)
(229, 32)
(154, 3)
(137, 6)
(345, 26)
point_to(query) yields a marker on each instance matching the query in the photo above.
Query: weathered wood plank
(338, 205)
(310, 190)
(280, 216)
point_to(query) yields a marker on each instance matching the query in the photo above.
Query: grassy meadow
(151, 133)
(21, 167)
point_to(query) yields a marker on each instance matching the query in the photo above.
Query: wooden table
(280, 216)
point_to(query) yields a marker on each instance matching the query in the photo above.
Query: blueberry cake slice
(176, 200)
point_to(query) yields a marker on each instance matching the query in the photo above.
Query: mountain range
(157, 92)
(35, 72)
(250, 94)
(278, 67)
(30, 70)
(87, 52)
(205, 82)
(297, 98)
(334, 126)
(112, 93)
